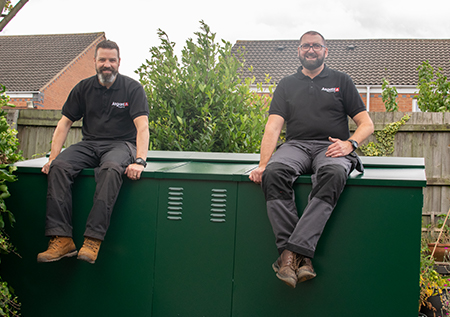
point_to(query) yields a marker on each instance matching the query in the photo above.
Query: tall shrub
(434, 89)
(389, 96)
(201, 103)
(9, 154)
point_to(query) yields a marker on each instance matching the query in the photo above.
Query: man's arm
(363, 131)
(133, 171)
(58, 139)
(269, 142)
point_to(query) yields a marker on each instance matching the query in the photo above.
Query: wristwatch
(140, 161)
(354, 144)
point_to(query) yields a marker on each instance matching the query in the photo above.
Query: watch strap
(140, 161)
(354, 144)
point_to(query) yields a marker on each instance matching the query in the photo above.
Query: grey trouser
(110, 159)
(329, 176)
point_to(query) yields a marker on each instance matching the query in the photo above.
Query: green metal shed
(192, 238)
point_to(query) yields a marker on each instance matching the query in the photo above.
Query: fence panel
(424, 135)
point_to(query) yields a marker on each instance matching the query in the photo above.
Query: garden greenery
(202, 103)
(9, 154)
(389, 96)
(385, 139)
(434, 89)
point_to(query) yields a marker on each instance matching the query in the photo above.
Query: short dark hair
(108, 45)
(314, 33)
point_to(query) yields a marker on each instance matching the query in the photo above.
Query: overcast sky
(133, 24)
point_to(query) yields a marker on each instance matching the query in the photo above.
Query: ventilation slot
(218, 205)
(175, 203)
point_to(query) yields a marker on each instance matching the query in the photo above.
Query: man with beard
(315, 104)
(115, 141)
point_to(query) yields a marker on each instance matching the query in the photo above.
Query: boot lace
(54, 243)
(296, 262)
(91, 244)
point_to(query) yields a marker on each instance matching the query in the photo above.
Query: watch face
(141, 162)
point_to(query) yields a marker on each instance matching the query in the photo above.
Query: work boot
(286, 267)
(89, 251)
(58, 248)
(305, 271)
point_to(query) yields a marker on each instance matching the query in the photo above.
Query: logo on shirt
(331, 90)
(120, 105)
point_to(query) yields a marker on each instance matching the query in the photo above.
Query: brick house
(366, 61)
(39, 71)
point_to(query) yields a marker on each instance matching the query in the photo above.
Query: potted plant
(434, 299)
(439, 236)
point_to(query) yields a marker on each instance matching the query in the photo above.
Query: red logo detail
(126, 103)
(337, 89)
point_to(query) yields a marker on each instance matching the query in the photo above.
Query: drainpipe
(368, 98)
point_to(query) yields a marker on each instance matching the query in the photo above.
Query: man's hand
(339, 148)
(256, 175)
(46, 168)
(134, 171)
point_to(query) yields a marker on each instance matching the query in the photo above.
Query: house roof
(29, 62)
(366, 61)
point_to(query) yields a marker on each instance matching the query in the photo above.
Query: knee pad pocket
(277, 182)
(331, 181)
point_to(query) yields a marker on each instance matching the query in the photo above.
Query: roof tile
(367, 61)
(28, 62)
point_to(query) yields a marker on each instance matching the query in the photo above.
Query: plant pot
(441, 250)
(436, 303)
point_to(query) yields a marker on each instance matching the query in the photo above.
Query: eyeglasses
(316, 47)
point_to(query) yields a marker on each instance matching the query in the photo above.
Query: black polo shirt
(315, 109)
(107, 114)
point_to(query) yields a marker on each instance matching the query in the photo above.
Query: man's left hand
(134, 171)
(339, 148)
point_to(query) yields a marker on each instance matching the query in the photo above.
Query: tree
(202, 103)
(9, 154)
(10, 11)
(434, 89)
(389, 96)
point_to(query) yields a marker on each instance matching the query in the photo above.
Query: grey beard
(106, 79)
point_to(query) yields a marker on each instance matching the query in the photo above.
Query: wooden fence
(424, 135)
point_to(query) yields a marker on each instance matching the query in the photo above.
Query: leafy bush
(434, 89)
(389, 96)
(202, 104)
(9, 154)
(385, 139)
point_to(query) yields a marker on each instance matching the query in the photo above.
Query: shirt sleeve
(138, 100)
(73, 106)
(352, 100)
(278, 104)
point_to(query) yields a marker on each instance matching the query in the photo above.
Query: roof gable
(366, 61)
(29, 62)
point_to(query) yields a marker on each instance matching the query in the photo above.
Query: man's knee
(110, 168)
(277, 181)
(61, 168)
(330, 183)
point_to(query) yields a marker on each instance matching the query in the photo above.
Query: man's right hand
(256, 175)
(46, 167)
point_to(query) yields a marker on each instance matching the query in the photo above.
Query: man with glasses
(315, 104)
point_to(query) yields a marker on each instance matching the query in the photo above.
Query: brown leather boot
(89, 251)
(286, 267)
(58, 248)
(305, 271)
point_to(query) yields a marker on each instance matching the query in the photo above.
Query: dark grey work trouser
(329, 176)
(110, 159)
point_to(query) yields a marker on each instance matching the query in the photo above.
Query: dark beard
(311, 65)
